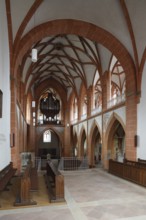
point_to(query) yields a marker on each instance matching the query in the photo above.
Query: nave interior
(113, 199)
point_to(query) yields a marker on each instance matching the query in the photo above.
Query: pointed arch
(82, 142)
(95, 135)
(95, 124)
(114, 117)
(60, 136)
(75, 144)
(110, 149)
(59, 139)
(73, 106)
(82, 102)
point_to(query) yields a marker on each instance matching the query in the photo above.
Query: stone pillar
(105, 90)
(131, 126)
(90, 101)
(131, 116)
(67, 135)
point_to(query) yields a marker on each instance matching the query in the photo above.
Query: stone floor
(90, 195)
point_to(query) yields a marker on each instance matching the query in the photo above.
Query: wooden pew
(129, 170)
(34, 179)
(141, 161)
(5, 176)
(55, 183)
(138, 163)
(27, 182)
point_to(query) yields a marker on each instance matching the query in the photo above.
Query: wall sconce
(34, 52)
(12, 140)
(1, 103)
(136, 140)
(34, 55)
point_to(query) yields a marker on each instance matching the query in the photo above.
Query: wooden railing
(141, 161)
(55, 183)
(129, 170)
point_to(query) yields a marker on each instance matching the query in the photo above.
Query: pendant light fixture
(34, 55)
(34, 52)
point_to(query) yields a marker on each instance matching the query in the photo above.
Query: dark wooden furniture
(55, 183)
(33, 179)
(6, 175)
(129, 170)
(27, 182)
(141, 161)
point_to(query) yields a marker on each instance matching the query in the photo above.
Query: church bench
(129, 170)
(55, 183)
(34, 179)
(141, 161)
(138, 163)
(32, 173)
(5, 176)
(28, 182)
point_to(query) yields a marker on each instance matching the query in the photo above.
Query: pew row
(54, 182)
(6, 175)
(129, 170)
(141, 161)
(26, 183)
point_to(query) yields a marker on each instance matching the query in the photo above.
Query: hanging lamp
(34, 55)
(34, 52)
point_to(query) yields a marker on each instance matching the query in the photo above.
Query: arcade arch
(116, 140)
(83, 144)
(95, 145)
(52, 147)
(75, 145)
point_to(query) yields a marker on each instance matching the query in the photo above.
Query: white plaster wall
(90, 123)
(87, 125)
(98, 121)
(83, 125)
(75, 129)
(121, 112)
(141, 120)
(5, 156)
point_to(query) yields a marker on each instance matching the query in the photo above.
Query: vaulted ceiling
(70, 57)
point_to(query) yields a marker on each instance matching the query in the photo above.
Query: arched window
(85, 105)
(117, 83)
(75, 109)
(97, 94)
(117, 79)
(47, 136)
